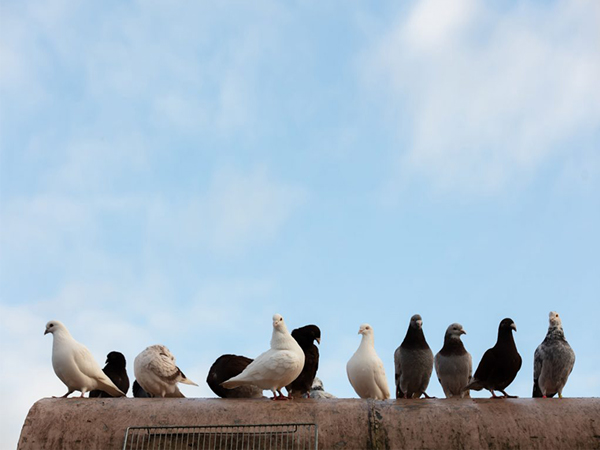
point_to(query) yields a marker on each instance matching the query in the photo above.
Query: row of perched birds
(293, 359)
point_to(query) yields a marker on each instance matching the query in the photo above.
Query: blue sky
(177, 173)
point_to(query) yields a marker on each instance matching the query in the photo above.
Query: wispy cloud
(490, 95)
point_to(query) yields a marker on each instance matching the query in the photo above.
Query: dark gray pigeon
(413, 361)
(226, 367)
(453, 363)
(499, 365)
(138, 391)
(115, 370)
(553, 361)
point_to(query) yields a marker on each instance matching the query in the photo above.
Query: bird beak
(46, 332)
(420, 323)
(513, 326)
(319, 341)
(463, 332)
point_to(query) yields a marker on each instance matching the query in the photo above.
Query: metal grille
(288, 436)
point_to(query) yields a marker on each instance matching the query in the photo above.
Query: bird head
(307, 334)
(554, 319)
(507, 324)
(115, 358)
(416, 321)
(455, 331)
(278, 323)
(54, 326)
(365, 329)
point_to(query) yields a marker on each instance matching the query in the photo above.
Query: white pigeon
(157, 373)
(74, 364)
(275, 368)
(365, 369)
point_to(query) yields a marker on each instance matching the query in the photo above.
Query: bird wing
(487, 365)
(538, 361)
(270, 364)
(381, 380)
(89, 367)
(163, 366)
(398, 373)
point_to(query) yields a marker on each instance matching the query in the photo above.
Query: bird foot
(280, 397)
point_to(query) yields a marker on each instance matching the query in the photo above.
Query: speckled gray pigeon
(553, 361)
(413, 361)
(453, 363)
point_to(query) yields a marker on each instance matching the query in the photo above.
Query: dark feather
(226, 367)
(115, 370)
(306, 336)
(138, 391)
(500, 364)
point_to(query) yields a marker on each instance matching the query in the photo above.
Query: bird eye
(51, 325)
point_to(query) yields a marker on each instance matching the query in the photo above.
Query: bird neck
(61, 336)
(453, 345)
(506, 338)
(555, 332)
(415, 338)
(367, 341)
(281, 340)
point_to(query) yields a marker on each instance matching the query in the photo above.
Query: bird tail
(175, 394)
(537, 392)
(231, 383)
(108, 387)
(475, 385)
(186, 380)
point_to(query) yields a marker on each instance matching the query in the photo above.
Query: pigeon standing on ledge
(499, 365)
(226, 367)
(115, 370)
(365, 369)
(156, 372)
(275, 368)
(318, 391)
(74, 364)
(553, 361)
(453, 363)
(413, 362)
(306, 336)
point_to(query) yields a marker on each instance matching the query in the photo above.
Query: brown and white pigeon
(413, 362)
(453, 363)
(499, 365)
(553, 361)
(156, 372)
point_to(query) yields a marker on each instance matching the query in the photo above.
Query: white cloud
(490, 96)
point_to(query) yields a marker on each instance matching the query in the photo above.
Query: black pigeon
(138, 391)
(226, 367)
(500, 364)
(306, 336)
(413, 362)
(115, 370)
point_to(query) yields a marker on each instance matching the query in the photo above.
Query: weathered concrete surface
(343, 423)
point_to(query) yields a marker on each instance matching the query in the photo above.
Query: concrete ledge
(343, 423)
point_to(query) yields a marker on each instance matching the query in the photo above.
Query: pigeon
(275, 368)
(74, 364)
(365, 369)
(413, 361)
(157, 374)
(317, 390)
(499, 365)
(305, 337)
(225, 367)
(138, 392)
(553, 361)
(115, 370)
(453, 363)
